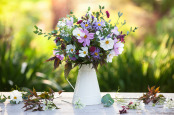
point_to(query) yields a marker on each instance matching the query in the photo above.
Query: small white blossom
(97, 32)
(70, 48)
(83, 52)
(16, 96)
(61, 24)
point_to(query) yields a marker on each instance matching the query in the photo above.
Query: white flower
(141, 105)
(110, 56)
(97, 32)
(78, 33)
(16, 96)
(83, 52)
(61, 23)
(70, 48)
(107, 43)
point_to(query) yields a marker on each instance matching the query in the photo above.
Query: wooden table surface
(69, 109)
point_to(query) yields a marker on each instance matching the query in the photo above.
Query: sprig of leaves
(151, 95)
(35, 101)
(2, 98)
(38, 31)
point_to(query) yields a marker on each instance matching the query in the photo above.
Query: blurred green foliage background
(148, 58)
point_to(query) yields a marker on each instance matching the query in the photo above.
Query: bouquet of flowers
(90, 39)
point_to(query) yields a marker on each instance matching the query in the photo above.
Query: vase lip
(86, 66)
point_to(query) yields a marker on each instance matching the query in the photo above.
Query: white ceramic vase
(87, 88)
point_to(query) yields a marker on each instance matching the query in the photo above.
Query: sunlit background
(148, 57)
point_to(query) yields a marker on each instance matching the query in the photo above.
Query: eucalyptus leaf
(107, 100)
(68, 39)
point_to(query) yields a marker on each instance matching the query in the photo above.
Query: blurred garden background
(148, 57)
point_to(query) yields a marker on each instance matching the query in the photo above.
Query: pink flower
(115, 31)
(56, 53)
(107, 13)
(87, 37)
(118, 47)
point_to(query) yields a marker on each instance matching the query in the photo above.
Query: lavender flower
(98, 25)
(86, 25)
(95, 54)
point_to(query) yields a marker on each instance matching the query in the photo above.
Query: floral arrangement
(90, 39)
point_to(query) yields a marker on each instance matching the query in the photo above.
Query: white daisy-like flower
(107, 43)
(16, 96)
(70, 48)
(78, 33)
(83, 52)
(110, 56)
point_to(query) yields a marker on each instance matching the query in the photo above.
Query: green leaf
(130, 29)
(99, 7)
(35, 31)
(71, 12)
(49, 37)
(107, 100)
(68, 39)
(89, 8)
(36, 27)
(54, 31)
(58, 43)
(103, 7)
(68, 67)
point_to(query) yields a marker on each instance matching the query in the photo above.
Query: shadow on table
(95, 110)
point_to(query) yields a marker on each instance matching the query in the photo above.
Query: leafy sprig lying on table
(3, 98)
(35, 101)
(151, 96)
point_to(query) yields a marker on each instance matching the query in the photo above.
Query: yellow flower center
(96, 53)
(15, 97)
(99, 24)
(78, 34)
(86, 25)
(107, 42)
(109, 55)
(72, 50)
(84, 52)
(85, 36)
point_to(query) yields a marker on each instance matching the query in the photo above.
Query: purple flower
(107, 13)
(72, 58)
(95, 54)
(99, 25)
(56, 53)
(87, 37)
(69, 22)
(86, 25)
(121, 37)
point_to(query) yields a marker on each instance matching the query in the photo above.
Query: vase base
(88, 100)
